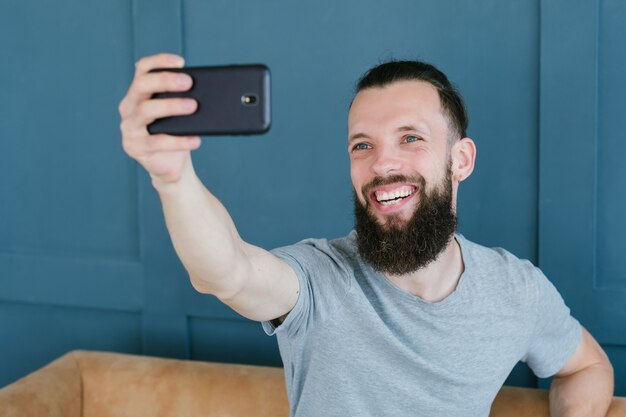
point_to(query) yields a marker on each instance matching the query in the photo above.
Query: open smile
(392, 197)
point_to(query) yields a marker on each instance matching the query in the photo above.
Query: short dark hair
(393, 71)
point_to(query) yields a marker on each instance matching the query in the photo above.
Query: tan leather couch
(95, 384)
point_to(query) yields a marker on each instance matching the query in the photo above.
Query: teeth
(388, 198)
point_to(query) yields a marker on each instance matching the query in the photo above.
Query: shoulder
(315, 256)
(498, 268)
(339, 249)
(325, 272)
(494, 259)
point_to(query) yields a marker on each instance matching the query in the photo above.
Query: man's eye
(361, 146)
(411, 138)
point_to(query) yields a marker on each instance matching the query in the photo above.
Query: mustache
(378, 181)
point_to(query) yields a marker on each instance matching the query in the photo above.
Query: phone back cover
(219, 92)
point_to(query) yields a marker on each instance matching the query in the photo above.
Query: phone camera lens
(249, 99)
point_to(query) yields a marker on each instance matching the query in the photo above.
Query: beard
(399, 247)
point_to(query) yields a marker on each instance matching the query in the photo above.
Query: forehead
(396, 104)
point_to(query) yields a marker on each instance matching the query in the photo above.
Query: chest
(394, 348)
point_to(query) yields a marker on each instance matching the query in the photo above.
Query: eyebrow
(421, 128)
(405, 128)
(357, 136)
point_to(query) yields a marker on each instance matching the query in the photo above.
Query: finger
(167, 143)
(164, 60)
(150, 110)
(145, 85)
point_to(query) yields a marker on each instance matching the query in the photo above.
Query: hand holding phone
(232, 100)
(163, 95)
(165, 157)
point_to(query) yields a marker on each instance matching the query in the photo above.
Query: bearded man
(403, 316)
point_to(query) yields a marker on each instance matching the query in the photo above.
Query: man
(403, 316)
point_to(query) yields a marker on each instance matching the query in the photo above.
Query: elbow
(223, 288)
(199, 285)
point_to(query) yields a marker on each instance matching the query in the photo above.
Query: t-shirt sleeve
(322, 276)
(556, 333)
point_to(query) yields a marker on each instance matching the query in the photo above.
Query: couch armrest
(520, 402)
(618, 407)
(52, 391)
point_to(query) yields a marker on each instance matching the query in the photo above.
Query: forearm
(585, 393)
(203, 233)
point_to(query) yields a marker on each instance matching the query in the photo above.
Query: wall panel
(233, 341)
(68, 192)
(70, 271)
(582, 182)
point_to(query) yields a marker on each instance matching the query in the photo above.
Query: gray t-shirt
(357, 345)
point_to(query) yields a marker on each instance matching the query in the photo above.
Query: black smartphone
(232, 100)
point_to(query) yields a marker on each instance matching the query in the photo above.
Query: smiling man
(404, 192)
(403, 316)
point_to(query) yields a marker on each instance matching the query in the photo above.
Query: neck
(437, 280)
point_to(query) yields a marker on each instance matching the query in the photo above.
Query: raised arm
(249, 279)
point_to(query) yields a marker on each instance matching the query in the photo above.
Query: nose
(387, 162)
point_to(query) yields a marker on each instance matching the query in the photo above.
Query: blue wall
(85, 260)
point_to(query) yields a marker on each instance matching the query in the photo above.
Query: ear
(463, 156)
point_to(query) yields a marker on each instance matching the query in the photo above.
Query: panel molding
(611, 171)
(158, 28)
(105, 284)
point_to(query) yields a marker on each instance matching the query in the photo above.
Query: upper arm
(587, 354)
